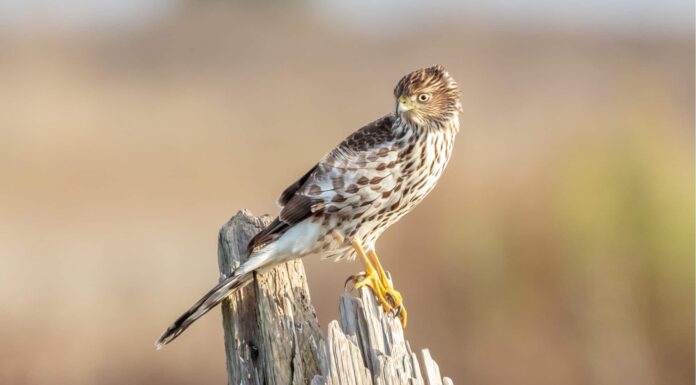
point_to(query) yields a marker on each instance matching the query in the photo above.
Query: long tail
(204, 305)
(222, 290)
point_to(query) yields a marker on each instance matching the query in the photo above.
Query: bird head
(427, 97)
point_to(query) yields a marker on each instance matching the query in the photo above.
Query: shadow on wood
(272, 335)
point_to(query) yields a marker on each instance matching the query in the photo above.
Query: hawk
(340, 207)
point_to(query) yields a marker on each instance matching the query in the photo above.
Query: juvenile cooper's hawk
(343, 204)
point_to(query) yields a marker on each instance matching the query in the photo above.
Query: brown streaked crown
(442, 93)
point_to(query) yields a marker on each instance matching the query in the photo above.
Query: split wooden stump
(272, 335)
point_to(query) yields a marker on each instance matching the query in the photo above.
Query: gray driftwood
(272, 335)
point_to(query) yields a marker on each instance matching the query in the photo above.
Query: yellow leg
(380, 271)
(388, 288)
(370, 277)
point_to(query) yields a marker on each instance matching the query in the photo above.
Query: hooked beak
(404, 105)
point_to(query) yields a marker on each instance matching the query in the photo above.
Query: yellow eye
(423, 98)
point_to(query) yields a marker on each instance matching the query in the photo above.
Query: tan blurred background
(557, 249)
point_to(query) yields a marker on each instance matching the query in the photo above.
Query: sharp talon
(379, 281)
(355, 279)
(394, 299)
(390, 299)
(350, 279)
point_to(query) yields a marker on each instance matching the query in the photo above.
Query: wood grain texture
(272, 335)
(271, 330)
(368, 347)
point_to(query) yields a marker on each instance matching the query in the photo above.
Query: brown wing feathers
(296, 209)
(289, 192)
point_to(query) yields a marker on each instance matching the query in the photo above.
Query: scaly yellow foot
(396, 299)
(369, 278)
(377, 280)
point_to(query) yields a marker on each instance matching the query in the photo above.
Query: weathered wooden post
(272, 335)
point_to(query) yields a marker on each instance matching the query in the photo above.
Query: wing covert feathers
(289, 192)
(314, 191)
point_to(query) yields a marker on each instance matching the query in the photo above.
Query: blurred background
(557, 249)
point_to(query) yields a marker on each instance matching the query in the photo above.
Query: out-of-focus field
(557, 249)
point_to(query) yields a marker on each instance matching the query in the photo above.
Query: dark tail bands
(204, 305)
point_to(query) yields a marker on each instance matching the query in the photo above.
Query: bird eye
(423, 98)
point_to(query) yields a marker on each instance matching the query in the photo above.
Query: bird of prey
(340, 207)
